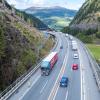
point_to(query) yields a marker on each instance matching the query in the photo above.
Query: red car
(75, 66)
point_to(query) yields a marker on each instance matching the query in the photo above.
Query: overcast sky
(23, 4)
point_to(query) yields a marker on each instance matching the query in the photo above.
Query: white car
(66, 35)
(74, 42)
(75, 56)
(71, 38)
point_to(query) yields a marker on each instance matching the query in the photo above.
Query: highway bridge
(82, 84)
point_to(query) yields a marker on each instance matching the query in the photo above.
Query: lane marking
(29, 88)
(61, 74)
(43, 87)
(80, 71)
(56, 85)
(82, 78)
(64, 64)
(66, 95)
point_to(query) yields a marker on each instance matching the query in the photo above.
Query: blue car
(61, 47)
(64, 82)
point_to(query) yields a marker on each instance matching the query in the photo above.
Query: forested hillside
(88, 15)
(33, 21)
(86, 23)
(21, 46)
(55, 17)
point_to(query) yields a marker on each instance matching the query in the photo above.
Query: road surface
(82, 85)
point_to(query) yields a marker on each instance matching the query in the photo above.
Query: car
(74, 42)
(61, 47)
(70, 37)
(66, 35)
(76, 56)
(75, 66)
(64, 82)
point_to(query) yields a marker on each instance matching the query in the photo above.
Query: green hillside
(86, 23)
(55, 17)
(21, 45)
(88, 16)
(33, 21)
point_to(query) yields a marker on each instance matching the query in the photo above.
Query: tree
(98, 34)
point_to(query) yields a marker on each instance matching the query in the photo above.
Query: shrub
(84, 38)
(98, 34)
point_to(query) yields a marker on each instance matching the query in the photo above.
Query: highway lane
(41, 91)
(36, 90)
(73, 91)
(90, 89)
(40, 87)
(56, 85)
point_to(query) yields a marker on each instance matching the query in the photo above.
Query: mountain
(35, 22)
(86, 23)
(21, 44)
(88, 17)
(55, 17)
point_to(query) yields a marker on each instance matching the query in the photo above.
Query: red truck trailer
(48, 63)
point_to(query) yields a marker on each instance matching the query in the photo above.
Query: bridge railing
(9, 91)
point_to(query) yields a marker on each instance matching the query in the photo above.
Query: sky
(23, 4)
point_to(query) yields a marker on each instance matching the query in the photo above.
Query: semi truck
(74, 45)
(71, 38)
(48, 63)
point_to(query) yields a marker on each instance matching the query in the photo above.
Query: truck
(48, 63)
(74, 46)
(71, 38)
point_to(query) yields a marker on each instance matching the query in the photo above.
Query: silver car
(75, 56)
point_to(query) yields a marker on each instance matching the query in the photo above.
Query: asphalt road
(89, 86)
(44, 85)
(81, 85)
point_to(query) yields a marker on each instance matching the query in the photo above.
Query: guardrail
(21, 80)
(95, 67)
(13, 87)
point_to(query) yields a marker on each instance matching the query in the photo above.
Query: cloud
(23, 4)
(72, 6)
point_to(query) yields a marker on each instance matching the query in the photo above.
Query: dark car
(64, 82)
(75, 66)
(61, 47)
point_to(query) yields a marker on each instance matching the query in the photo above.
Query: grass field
(95, 49)
(61, 21)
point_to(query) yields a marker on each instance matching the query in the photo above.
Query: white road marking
(60, 75)
(56, 86)
(82, 78)
(56, 92)
(80, 72)
(64, 64)
(71, 68)
(43, 87)
(66, 95)
(29, 88)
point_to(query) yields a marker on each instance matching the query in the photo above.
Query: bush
(85, 38)
(91, 31)
(2, 39)
(98, 34)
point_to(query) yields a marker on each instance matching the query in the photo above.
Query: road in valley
(82, 85)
